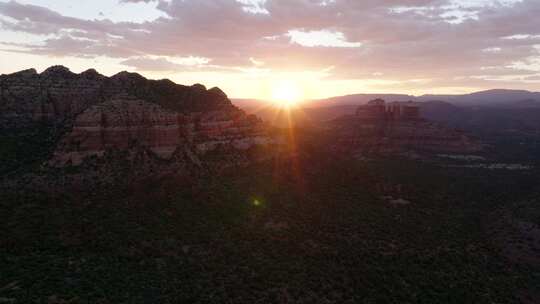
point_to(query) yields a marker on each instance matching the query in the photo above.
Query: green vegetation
(25, 148)
(309, 229)
(317, 234)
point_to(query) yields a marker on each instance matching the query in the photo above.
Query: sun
(286, 94)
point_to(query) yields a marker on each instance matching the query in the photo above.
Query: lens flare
(286, 94)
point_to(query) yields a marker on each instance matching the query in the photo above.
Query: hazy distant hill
(496, 97)
(527, 103)
(249, 104)
(358, 99)
(441, 111)
(474, 115)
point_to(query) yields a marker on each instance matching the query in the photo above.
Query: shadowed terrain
(315, 217)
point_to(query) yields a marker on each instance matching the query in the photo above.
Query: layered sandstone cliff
(373, 131)
(58, 94)
(95, 114)
(421, 136)
(125, 122)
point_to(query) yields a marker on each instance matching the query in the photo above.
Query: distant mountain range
(498, 111)
(496, 97)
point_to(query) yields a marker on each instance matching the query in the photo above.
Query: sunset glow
(244, 46)
(270, 151)
(286, 94)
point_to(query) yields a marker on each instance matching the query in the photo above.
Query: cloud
(322, 38)
(163, 64)
(415, 39)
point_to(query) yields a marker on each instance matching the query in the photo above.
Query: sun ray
(286, 94)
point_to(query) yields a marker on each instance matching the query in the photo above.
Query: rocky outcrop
(53, 96)
(120, 124)
(421, 136)
(127, 112)
(57, 94)
(125, 122)
(380, 135)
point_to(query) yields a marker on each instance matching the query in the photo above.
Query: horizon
(269, 151)
(270, 99)
(258, 49)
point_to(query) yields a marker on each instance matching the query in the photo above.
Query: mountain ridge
(87, 115)
(491, 97)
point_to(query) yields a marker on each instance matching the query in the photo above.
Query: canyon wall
(373, 131)
(93, 114)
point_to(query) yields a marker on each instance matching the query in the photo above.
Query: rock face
(127, 111)
(373, 130)
(126, 122)
(58, 94)
(54, 95)
(120, 124)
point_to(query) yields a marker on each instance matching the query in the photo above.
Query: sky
(249, 48)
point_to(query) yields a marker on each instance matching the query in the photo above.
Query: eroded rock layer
(126, 122)
(376, 129)
(385, 138)
(58, 94)
(97, 114)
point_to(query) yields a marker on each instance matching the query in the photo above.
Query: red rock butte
(99, 113)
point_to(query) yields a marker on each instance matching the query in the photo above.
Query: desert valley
(113, 183)
(269, 151)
